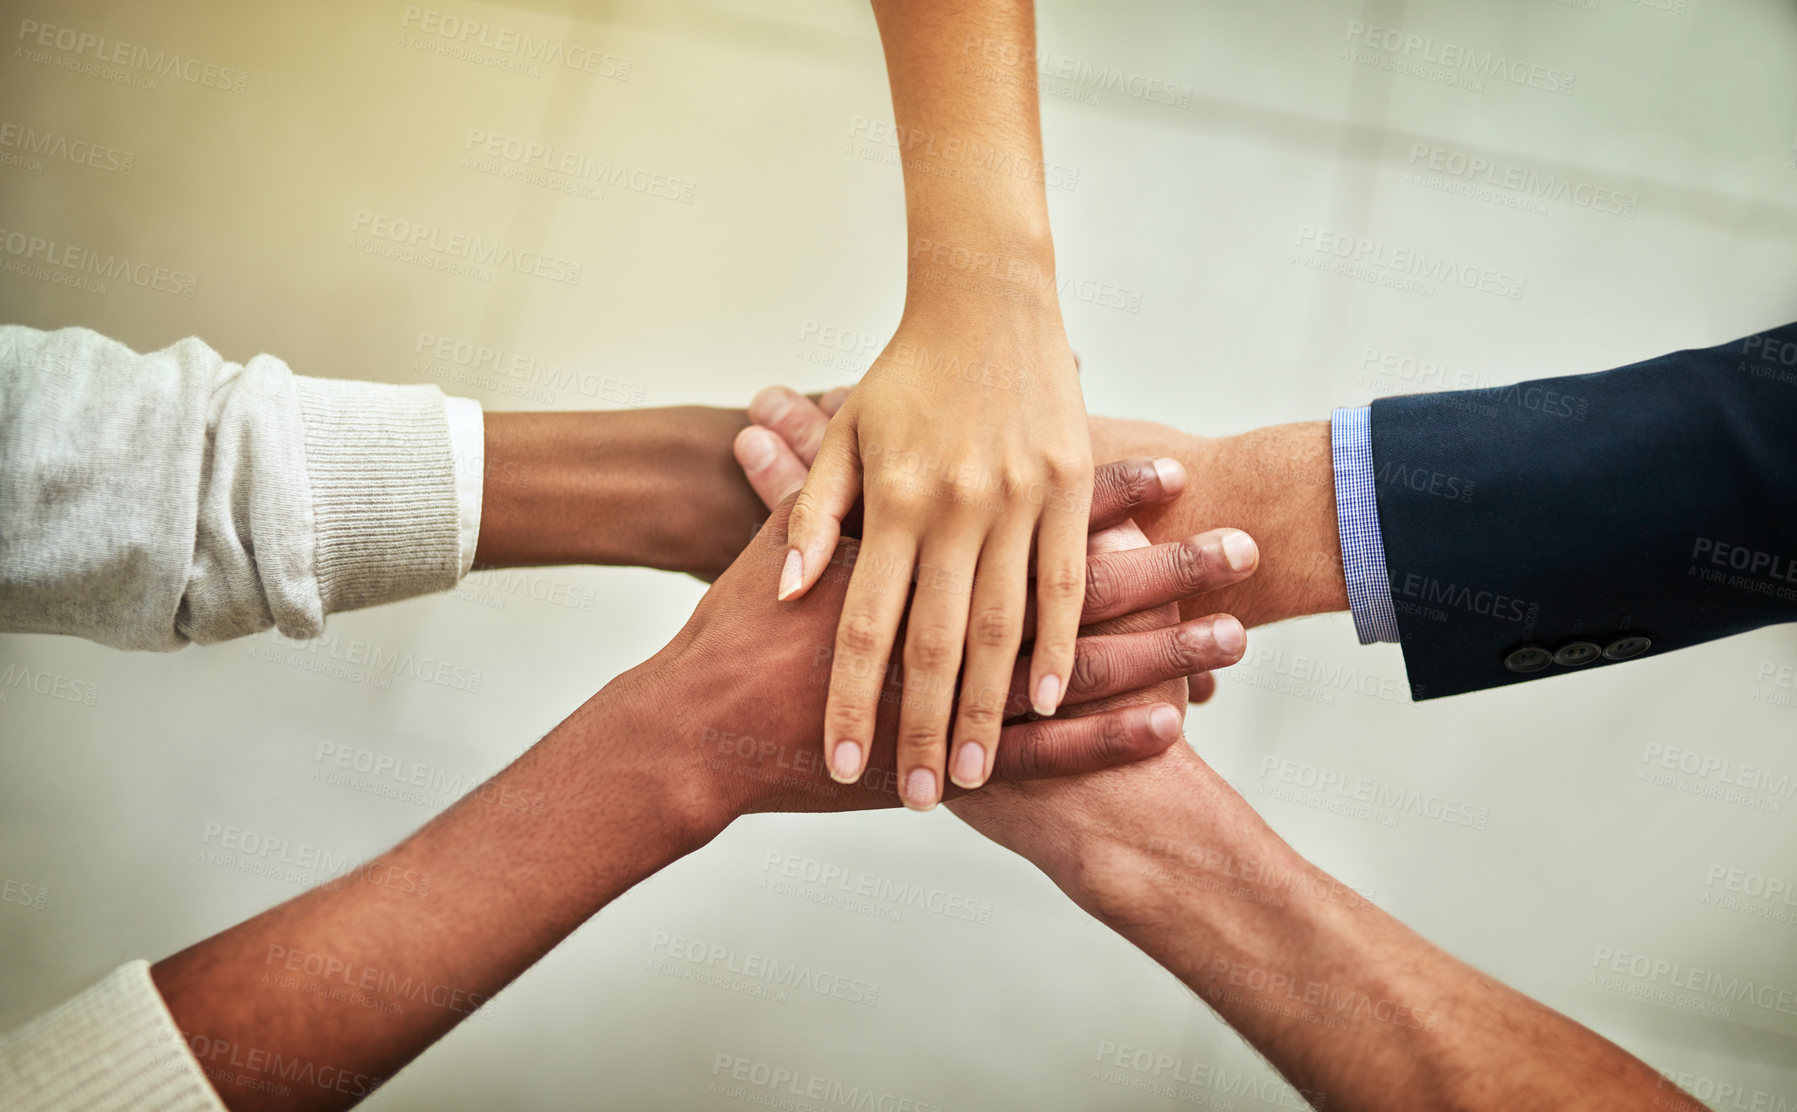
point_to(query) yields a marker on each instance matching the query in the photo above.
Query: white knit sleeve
(152, 500)
(114, 1048)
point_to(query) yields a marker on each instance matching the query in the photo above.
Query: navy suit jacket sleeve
(1570, 523)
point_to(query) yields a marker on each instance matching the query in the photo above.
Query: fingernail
(757, 448)
(1229, 635)
(970, 765)
(845, 766)
(791, 575)
(1048, 695)
(920, 789)
(1240, 551)
(1164, 721)
(1172, 473)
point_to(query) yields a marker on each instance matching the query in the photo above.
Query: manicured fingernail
(1229, 634)
(1048, 695)
(1240, 551)
(920, 789)
(1172, 473)
(970, 765)
(792, 574)
(845, 766)
(757, 448)
(1164, 721)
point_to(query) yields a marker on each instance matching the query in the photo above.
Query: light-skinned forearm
(325, 994)
(643, 487)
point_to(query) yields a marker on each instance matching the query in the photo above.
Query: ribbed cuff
(114, 1047)
(383, 491)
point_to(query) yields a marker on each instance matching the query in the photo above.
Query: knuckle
(1182, 652)
(920, 742)
(1092, 671)
(1113, 742)
(1068, 468)
(982, 711)
(932, 649)
(1061, 584)
(859, 635)
(1104, 589)
(1185, 562)
(994, 627)
(1124, 486)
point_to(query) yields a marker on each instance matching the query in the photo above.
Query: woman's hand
(966, 442)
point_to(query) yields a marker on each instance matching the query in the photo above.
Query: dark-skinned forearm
(644, 487)
(1353, 1008)
(306, 1005)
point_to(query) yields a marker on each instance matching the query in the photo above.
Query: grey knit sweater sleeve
(151, 500)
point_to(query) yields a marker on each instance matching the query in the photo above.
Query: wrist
(1277, 484)
(632, 734)
(652, 487)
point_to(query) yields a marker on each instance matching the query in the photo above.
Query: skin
(310, 1004)
(965, 441)
(1352, 1007)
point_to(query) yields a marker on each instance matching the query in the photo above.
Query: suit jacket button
(1624, 647)
(1575, 654)
(1528, 658)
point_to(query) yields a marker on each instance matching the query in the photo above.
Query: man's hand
(764, 752)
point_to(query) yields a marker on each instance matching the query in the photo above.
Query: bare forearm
(311, 1004)
(649, 487)
(1355, 1010)
(963, 82)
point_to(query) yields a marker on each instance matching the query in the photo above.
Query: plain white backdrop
(1651, 205)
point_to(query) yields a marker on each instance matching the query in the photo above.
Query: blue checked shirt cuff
(1357, 519)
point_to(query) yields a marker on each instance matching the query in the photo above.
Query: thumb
(829, 493)
(770, 464)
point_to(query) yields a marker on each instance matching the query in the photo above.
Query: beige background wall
(760, 113)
